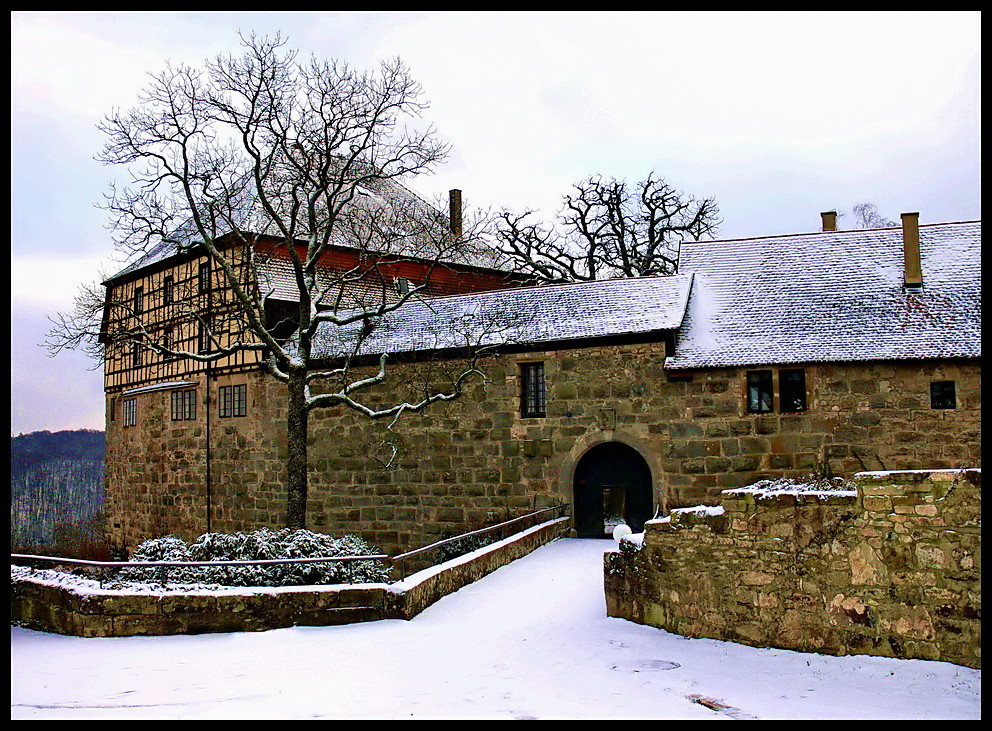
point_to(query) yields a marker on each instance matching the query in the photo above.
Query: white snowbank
(529, 641)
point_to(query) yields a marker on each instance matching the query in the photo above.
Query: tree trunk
(296, 432)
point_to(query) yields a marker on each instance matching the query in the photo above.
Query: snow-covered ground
(531, 640)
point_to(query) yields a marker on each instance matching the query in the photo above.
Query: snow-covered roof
(526, 315)
(374, 196)
(277, 280)
(831, 296)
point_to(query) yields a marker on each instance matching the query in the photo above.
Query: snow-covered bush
(813, 483)
(448, 551)
(258, 545)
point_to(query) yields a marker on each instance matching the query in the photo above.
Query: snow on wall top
(830, 296)
(530, 315)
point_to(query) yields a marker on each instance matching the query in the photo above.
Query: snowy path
(529, 641)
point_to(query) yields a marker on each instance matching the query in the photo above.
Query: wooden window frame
(167, 341)
(792, 400)
(232, 401)
(168, 289)
(533, 391)
(943, 395)
(183, 404)
(764, 380)
(129, 412)
(203, 337)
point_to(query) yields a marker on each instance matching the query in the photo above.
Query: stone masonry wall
(894, 570)
(465, 463)
(45, 601)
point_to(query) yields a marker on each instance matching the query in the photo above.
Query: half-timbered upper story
(177, 299)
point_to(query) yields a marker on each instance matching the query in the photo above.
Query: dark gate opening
(612, 483)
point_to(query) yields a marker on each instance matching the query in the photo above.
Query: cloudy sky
(777, 116)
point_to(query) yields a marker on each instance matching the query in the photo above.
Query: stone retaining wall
(84, 609)
(893, 570)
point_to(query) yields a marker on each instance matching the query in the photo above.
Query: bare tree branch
(605, 231)
(262, 163)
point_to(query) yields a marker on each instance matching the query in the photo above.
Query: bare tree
(607, 230)
(265, 162)
(867, 216)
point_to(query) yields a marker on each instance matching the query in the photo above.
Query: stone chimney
(829, 219)
(912, 271)
(455, 212)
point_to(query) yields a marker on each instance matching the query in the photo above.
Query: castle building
(831, 351)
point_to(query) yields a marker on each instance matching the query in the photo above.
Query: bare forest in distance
(57, 494)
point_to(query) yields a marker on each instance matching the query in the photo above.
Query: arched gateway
(611, 481)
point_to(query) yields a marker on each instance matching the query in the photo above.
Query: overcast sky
(779, 116)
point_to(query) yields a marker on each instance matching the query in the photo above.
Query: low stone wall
(892, 569)
(40, 601)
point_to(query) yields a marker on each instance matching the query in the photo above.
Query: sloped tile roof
(374, 194)
(277, 280)
(526, 315)
(831, 296)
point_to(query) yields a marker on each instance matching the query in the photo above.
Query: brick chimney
(912, 271)
(455, 212)
(829, 219)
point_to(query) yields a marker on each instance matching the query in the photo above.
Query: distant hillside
(28, 450)
(56, 489)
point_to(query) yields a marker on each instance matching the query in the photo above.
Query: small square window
(533, 394)
(942, 395)
(759, 391)
(792, 390)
